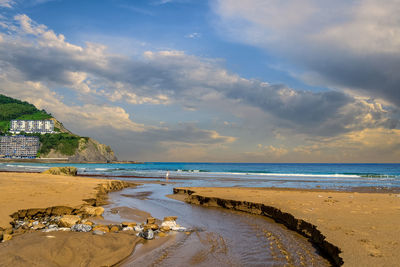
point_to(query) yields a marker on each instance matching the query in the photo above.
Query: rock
(88, 223)
(38, 226)
(169, 224)
(53, 226)
(60, 210)
(49, 230)
(69, 171)
(1, 234)
(162, 234)
(178, 228)
(103, 228)
(8, 231)
(81, 228)
(19, 224)
(98, 232)
(128, 228)
(138, 228)
(6, 237)
(69, 220)
(151, 220)
(129, 224)
(150, 226)
(65, 229)
(165, 228)
(170, 218)
(92, 211)
(114, 228)
(147, 234)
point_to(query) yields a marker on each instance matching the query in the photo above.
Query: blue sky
(221, 80)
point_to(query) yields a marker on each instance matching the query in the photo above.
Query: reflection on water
(220, 237)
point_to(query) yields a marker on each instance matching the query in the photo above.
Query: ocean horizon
(341, 176)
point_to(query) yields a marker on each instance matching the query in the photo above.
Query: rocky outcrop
(89, 150)
(63, 216)
(68, 171)
(310, 231)
(69, 220)
(92, 151)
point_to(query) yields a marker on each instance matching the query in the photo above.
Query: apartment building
(19, 146)
(32, 126)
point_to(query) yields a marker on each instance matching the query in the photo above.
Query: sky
(212, 81)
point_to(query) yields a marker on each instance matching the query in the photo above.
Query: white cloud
(193, 35)
(343, 44)
(7, 3)
(166, 77)
(95, 88)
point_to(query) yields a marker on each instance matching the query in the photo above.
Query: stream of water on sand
(220, 238)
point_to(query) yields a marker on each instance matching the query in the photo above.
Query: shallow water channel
(220, 237)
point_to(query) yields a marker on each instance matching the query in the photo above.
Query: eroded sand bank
(364, 226)
(27, 191)
(34, 190)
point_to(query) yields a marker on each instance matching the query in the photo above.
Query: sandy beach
(35, 190)
(38, 191)
(364, 226)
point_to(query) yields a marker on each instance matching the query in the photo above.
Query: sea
(339, 176)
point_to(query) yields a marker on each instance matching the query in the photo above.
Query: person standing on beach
(166, 175)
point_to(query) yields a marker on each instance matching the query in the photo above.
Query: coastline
(33, 195)
(61, 160)
(360, 229)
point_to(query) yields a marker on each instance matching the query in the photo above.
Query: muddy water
(220, 237)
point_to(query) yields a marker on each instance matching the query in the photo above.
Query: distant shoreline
(63, 160)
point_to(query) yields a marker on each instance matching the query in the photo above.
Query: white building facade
(32, 126)
(19, 146)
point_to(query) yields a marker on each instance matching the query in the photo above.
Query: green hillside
(14, 109)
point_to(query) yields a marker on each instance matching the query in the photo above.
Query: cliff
(88, 150)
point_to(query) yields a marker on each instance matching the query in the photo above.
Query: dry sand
(35, 190)
(26, 191)
(365, 226)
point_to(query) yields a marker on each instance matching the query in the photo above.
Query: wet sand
(365, 226)
(32, 191)
(67, 249)
(215, 237)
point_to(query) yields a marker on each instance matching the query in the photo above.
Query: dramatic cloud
(353, 45)
(92, 91)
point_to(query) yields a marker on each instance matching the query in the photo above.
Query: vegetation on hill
(14, 109)
(64, 143)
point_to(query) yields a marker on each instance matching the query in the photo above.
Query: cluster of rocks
(148, 230)
(77, 223)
